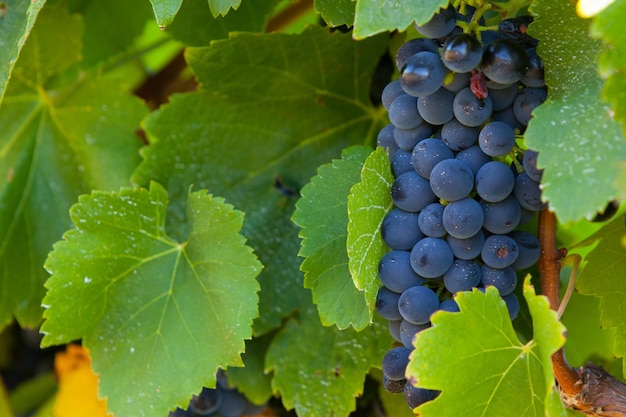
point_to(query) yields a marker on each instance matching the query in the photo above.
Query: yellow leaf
(78, 385)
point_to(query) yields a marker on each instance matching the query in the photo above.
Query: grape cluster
(462, 183)
(223, 401)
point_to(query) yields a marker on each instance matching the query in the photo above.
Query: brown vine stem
(549, 269)
(589, 389)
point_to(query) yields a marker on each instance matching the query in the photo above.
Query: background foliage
(185, 181)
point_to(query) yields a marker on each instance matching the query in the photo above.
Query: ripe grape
(417, 303)
(431, 257)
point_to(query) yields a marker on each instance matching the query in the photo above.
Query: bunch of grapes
(462, 184)
(221, 401)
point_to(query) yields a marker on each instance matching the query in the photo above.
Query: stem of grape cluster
(549, 269)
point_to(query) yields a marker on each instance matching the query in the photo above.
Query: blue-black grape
(504, 61)
(496, 139)
(503, 98)
(471, 110)
(413, 46)
(391, 91)
(462, 276)
(468, 248)
(207, 402)
(400, 229)
(401, 162)
(436, 108)
(526, 101)
(403, 112)
(474, 157)
(457, 136)
(429, 153)
(386, 140)
(456, 81)
(396, 273)
(528, 193)
(395, 362)
(411, 192)
(512, 304)
(499, 251)
(534, 75)
(501, 217)
(441, 24)
(431, 257)
(462, 52)
(508, 116)
(449, 305)
(494, 181)
(393, 386)
(504, 280)
(417, 304)
(529, 249)
(415, 397)
(394, 329)
(233, 404)
(422, 74)
(464, 218)
(406, 139)
(408, 331)
(387, 304)
(431, 220)
(451, 179)
(530, 165)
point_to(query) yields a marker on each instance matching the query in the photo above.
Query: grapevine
(312, 208)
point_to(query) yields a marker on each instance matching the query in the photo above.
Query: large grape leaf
(158, 315)
(375, 16)
(265, 117)
(336, 12)
(17, 18)
(612, 66)
(165, 11)
(475, 358)
(323, 378)
(322, 213)
(580, 144)
(368, 203)
(603, 276)
(58, 140)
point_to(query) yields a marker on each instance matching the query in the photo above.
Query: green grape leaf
(59, 141)
(17, 18)
(245, 138)
(336, 12)
(582, 152)
(100, 43)
(251, 379)
(159, 316)
(368, 203)
(196, 26)
(221, 7)
(165, 11)
(323, 379)
(322, 213)
(375, 16)
(612, 62)
(586, 339)
(602, 276)
(478, 348)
